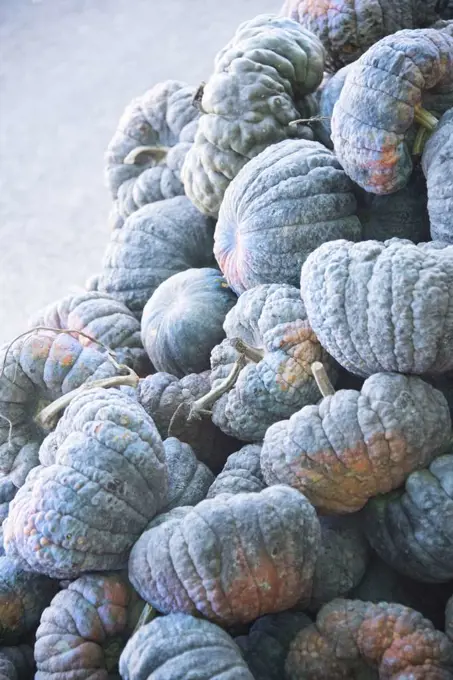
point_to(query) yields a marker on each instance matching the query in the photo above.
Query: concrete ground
(67, 70)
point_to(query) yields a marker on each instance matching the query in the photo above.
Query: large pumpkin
(381, 98)
(144, 157)
(231, 558)
(102, 478)
(437, 162)
(280, 207)
(183, 320)
(354, 445)
(382, 306)
(255, 93)
(155, 242)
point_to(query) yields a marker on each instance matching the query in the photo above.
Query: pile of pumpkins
(230, 456)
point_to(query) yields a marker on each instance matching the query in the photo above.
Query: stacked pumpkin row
(245, 418)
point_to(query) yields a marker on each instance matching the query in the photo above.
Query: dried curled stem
(252, 353)
(425, 118)
(420, 141)
(308, 121)
(147, 615)
(158, 152)
(322, 379)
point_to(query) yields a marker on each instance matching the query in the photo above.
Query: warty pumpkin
(241, 473)
(188, 479)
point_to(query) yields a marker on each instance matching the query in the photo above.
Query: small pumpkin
(280, 207)
(84, 629)
(188, 479)
(23, 597)
(183, 320)
(156, 241)
(231, 558)
(250, 102)
(17, 663)
(437, 163)
(102, 478)
(410, 529)
(391, 305)
(354, 638)
(381, 98)
(354, 445)
(241, 473)
(178, 646)
(144, 157)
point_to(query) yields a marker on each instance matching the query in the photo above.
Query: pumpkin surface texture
(83, 631)
(144, 158)
(256, 556)
(256, 91)
(350, 636)
(178, 646)
(241, 473)
(280, 207)
(157, 241)
(392, 309)
(183, 320)
(379, 102)
(270, 323)
(105, 463)
(354, 445)
(188, 479)
(437, 162)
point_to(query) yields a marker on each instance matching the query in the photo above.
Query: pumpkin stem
(425, 118)
(147, 615)
(208, 400)
(307, 121)
(159, 153)
(322, 379)
(252, 353)
(46, 418)
(420, 141)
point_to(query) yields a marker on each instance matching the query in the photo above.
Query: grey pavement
(67, 70)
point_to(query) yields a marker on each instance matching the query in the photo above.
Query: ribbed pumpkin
(437, 162)
(188, 479)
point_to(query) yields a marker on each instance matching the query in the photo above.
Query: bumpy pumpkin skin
(163, 118)
(437, 163)
(157, 241)
(273, 319)
(266, 646)
(347, 28)
(241, 473)
(280, 207)
(369, 281)
(105, 466)
(256, 556)
(16, 663)
(23, 597)
(350, 636)
(183, 320)
(103, 318)
(411, 529)
(257, 88)
(179, 646)
(188, 479)
(376, 107)
(355, 445)
(161, 394)
(328, 97)
(83, 631)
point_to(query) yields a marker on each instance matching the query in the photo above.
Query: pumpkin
(188, 479)
(354, 445)
(103, 318)
(23, 596)
(280, 207)
(144, 157)
(231, 558)
(347, 28)
(179, 646)
(391, 309)
(266, 646)
(449, 618)
(16, 663)
(328, 97)
(437, 163)
(241, 473)
(162, 394)
(183, 320)
(84, 629)
(256, 91)
(157, 241)
(379, 102)
(351, 637)
(101, 480)
(410, 529)
(269, 326)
